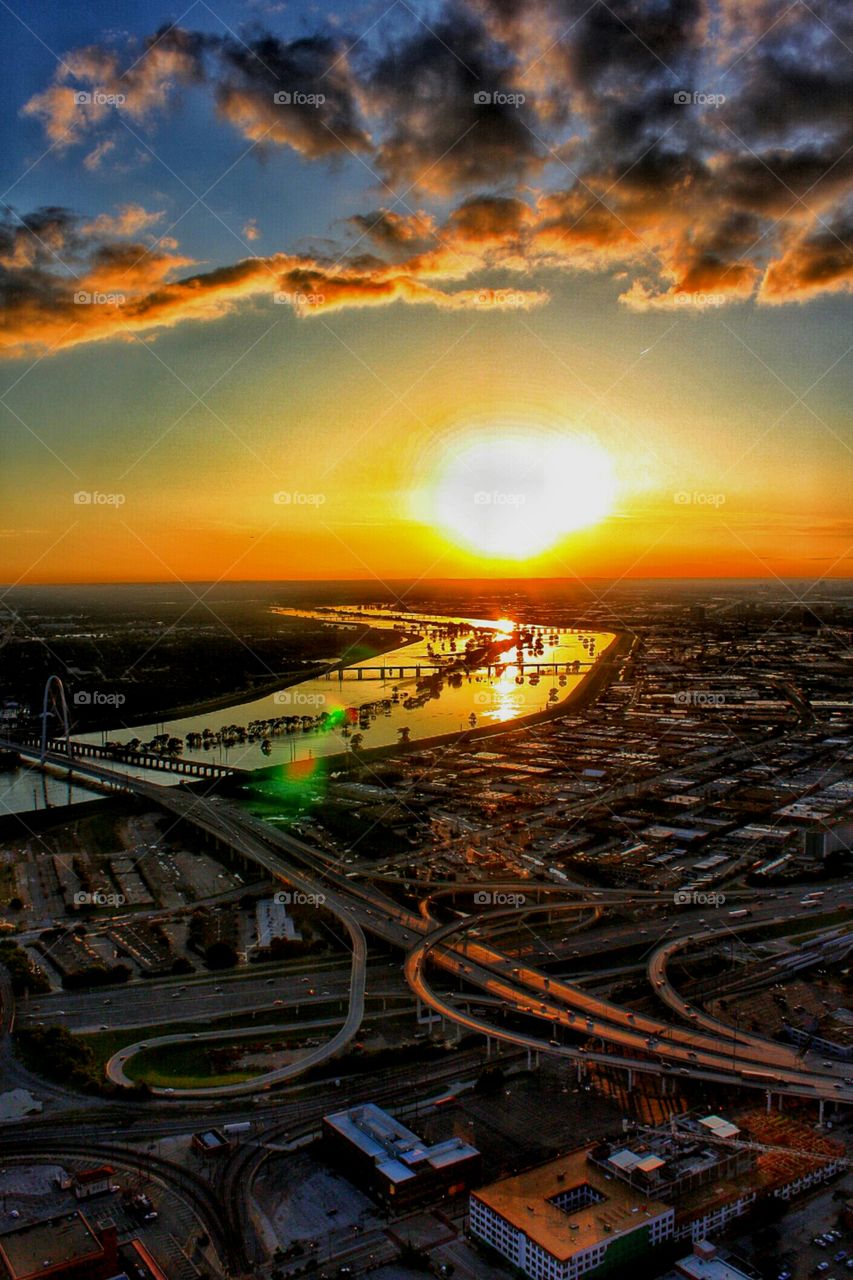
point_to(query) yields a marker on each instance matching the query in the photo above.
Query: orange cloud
(122, 288)
(130, 220)
(817, 263)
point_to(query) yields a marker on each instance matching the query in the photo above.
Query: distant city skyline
(456, 290)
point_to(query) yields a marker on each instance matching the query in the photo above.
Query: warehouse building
(66, 1247)
(392, 1163)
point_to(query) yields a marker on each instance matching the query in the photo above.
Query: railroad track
(238, 1173)
(191, 1188)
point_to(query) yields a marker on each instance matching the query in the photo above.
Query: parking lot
(791, 1249)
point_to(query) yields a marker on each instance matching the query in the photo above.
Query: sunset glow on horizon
(516, 496)
(268, 313)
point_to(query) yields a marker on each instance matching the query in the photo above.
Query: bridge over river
(392, 671)
(69, 749)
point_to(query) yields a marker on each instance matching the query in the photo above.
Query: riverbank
(605, 669)
(251, 693)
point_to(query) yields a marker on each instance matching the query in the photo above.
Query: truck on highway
(764, 1077)
(242, 1126)
(743, 913)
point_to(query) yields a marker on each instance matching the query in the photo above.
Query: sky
(411, 290)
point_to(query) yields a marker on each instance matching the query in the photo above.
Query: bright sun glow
(515, 496)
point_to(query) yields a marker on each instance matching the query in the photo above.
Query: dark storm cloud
(484, 218)
(455, 115)
(818, 262)
(394, 232)
(300, 94)
(696, 149)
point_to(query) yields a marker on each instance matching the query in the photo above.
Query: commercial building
(210, 1142)
(705, 1263)
(391, 1162)
(567, 1219)
(713, 1171)
(66, 1247)
(274, 924)
(139, 1263)
(690, 1166)
(693, 1167)
(93, 1182)
(826, 839)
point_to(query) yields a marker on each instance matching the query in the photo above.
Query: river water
(331, 714)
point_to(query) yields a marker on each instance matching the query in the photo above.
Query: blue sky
(589, 256)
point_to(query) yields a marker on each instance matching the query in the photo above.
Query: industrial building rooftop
(597, 1207)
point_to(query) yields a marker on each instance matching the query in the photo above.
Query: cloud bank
(699, 151)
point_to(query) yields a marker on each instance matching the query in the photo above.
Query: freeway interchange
(517, 1005)
(701, 1048)
(697, 1047)
(637, 1042)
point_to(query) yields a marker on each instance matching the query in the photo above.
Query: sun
(516, 495)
